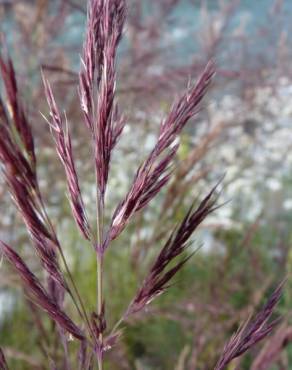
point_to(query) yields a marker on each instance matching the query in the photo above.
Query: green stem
(83, 314)
(99, 266)
(117, 324)
(99, 283)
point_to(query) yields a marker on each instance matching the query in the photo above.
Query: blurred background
(244, 131)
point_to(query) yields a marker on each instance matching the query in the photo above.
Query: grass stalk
(99, 267)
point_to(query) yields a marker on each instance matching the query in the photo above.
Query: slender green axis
(99, 266)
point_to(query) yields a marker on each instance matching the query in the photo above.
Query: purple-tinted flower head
(97, 81)
(158, 278)
(154, 173)
(62, 138)
(18, 169)
(42, 298)
(17, 117)
(251, 332)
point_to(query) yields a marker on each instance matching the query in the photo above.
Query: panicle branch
(251, 332)
(158, 277)
(97, 81)
(154, 173)
(19, 170)
(16, 110)
(62, 138)
(35, 287)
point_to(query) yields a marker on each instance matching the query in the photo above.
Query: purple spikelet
(3, 363)
(91, 61)
(18, 117)
(98, 79)
(17, 157)
(43, 241)
(62, 138)
(251, 332)
(158, 277)
(154, 173)
(14, 160)
(33, 285)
